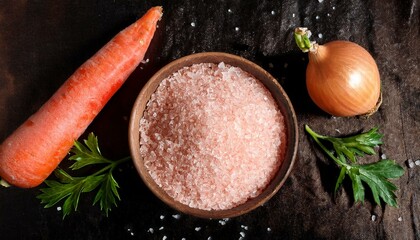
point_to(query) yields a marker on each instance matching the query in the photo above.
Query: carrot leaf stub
(70, 188)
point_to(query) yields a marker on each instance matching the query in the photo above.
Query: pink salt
(212, 136)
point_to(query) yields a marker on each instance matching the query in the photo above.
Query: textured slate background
(43, 42)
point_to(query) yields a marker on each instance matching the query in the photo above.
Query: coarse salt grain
(410, 163)
(373, 217)
(417, 162)
(221, 136)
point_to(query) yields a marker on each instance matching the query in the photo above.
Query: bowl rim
(283, 103)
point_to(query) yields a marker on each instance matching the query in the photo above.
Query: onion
(342, 78)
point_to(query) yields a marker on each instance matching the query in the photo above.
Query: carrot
(32, 152)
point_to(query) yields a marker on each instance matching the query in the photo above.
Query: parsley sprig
(374, 175)
(70, 188)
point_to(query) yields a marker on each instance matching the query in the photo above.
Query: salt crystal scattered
(293, 15)
(383, 156)
(272, 12)
(229, 10)
(320, 35)
(161, 228)
(242, 234)
(317, 17)
(236, 28)
(176, 216)
(320, 1)
(410, 163)
(197, 229)
(333, 8)
(58, 208)
(193, 24)
(222, 222)
(131, 233)
(328, 15)
(268, 229)
(244, 227)
(417, 162)
(164, 237)
(209, 238)
(195, 165)
(337, 130)
(400, 219)
(151, 230)
(162, 217)
(373, 217)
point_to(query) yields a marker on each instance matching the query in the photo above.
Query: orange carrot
(32, 152)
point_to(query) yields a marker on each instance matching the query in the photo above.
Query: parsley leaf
(374, 175)
(70, 188)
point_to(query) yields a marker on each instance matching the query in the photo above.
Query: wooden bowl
(270, 83)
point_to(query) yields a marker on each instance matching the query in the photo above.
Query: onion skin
(342, 78)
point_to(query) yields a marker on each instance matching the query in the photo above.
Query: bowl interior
(278, 94)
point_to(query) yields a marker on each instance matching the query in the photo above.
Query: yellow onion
(342, 78)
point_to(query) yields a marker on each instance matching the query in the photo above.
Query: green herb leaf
(107, 194)
(340, 180)
(357, 145)
(374, 175)
(70, 188)
(87, 155)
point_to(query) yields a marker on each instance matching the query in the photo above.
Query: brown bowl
(270, 83)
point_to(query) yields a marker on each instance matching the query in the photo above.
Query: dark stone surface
(43, 42)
